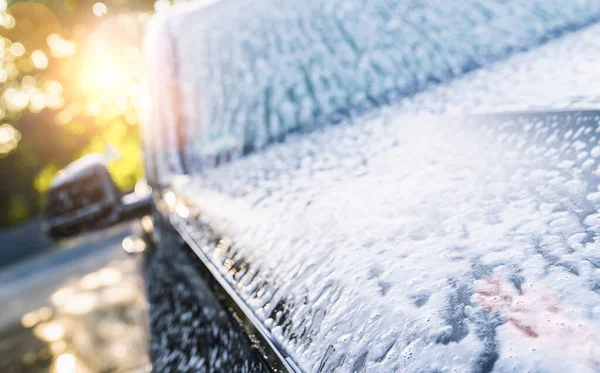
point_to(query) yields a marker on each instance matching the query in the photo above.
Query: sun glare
(109, 73)
(106, 76)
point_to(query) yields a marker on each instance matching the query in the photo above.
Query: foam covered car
(374, 186)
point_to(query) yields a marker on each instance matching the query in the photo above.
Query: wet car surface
(362, 233)
(463, 243)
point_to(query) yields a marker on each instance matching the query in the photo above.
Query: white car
(375, 186)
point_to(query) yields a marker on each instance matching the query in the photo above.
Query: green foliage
(42, 181)
(69, 85)
(17, 209)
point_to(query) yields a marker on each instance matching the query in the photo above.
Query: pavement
(17, 243)
(78, 307)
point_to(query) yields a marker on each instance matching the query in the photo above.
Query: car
(369, 186)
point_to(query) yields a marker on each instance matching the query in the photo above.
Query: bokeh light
(133, 245)
(17, 49)
(39, 59)
(99, 9)
(69, 85)
(66, 363)
(8, 21)
(49, 332)
(9, 139)
(61, 48)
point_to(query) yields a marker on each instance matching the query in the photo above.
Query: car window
(248, 74)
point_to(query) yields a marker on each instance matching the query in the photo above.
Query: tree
(70, 84)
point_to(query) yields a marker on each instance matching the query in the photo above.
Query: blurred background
(70, 84)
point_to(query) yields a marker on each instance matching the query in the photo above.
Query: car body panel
(388, 242)
(382, 243)
(193, 328)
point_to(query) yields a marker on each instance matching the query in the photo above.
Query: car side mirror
(83, 197)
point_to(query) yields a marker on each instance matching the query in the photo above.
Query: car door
(387, 242)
